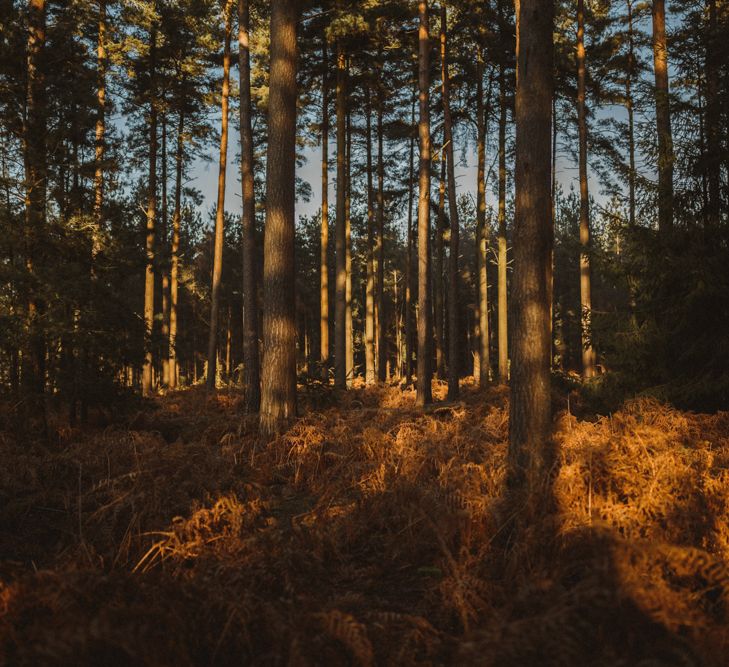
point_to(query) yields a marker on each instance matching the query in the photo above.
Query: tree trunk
(370, 374)
(99, 145)
(340, 298)
(278, 398)
(424, 393)
(251, 353)
(147, 371)
(324, 252)
(502, 297)
(454, 361)
(438, 263)
(348, 255)
(713, 137)
(409, 278)
(629, 104)
(175, 252)
(165, 275)
(588, 353)
(36, 173)
(484, 362)
(220, 210)
(663, 118)
(530, 413)
(380, 282)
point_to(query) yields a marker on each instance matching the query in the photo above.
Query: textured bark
(349, 332)
(438, 282)
(409, 277)
(147, 371)
(175, 252)
(484, 361)
(588, 353)
(424, 393)
(251, 352)
(220, 210)
(503, 322)
(663, 118)
(278, 397)
(630, 107)
(370, 370)
(165, 275)
(340, 231)
(530, 411)
(324, 251)
(99, 145)
(380, 256)
(454, 357)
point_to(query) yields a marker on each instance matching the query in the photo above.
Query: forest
(378, 332)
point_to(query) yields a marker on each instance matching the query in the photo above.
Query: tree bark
(588, 353)
(340, 231)
(349, 336)
(380, 282)
(278, 398)
(165, 275)
(629, 104)
(530, 412)
(324, 251)
(484, 362)
(251, 352)
(663, 118)
(99, 145)
(370, 370)
(175, 253)
(454, 361)
(438, 281)
(503, 322)
(713, 138)
(220, 210)
(409, 278)
(424, 393)
(148, 369)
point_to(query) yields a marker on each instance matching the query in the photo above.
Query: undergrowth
(371, 533)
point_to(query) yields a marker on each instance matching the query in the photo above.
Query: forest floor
(371, 533)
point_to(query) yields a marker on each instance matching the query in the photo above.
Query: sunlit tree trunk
(380, 282)
(484, 362)
(148, 370)
(220, 210)
(278, 378)
(663, 118)
(99, 144)
(340, 231)
(453, 273)
(503, 323)
(165, 275)
(348, 252)
(370, 374)
(438, 263)
(530, 411)
(588, 353)
(251, 352)
(324, 251)
(409, 277)
(424, 386)
(175, 253)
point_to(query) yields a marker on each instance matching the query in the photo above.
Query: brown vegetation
(370, 533)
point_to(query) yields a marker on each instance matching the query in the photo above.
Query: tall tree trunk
(502, 297)
(530, 413)
(438, 263)
(251, 353)
(148, 370)
(220, 211)
(454, 365)
(484, 362)
(324, 251)
(380, 282)
(36, 173)
(424, 393)
(340, 231)
(175, 253)
(630, 106)
(713, 138)
(99, 145)
(370, 374)
(588, 353)
(165, 275)
(663, 118)
(409, 278)
(278, 398)
(348, 255)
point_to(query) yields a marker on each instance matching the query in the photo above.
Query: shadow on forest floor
(371, 533)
